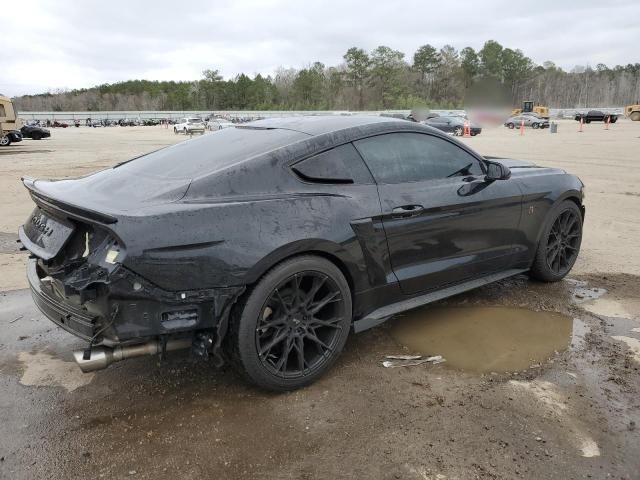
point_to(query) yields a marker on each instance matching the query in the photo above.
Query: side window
(339, 165)
(2, 112)
(415, 157)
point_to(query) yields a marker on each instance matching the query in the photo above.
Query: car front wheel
(510, 126)
(535, 125)
(289, 329)
(559, 243)
(458, 131)
(5, 141)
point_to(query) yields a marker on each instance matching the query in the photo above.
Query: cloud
(71, 44)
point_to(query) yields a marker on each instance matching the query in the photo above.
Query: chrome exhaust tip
(101, 357)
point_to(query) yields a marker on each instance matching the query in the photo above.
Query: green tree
(358, 64)
(470, 64)
(426, 61)
(490, 59)
(386, 64)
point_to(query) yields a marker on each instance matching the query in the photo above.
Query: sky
(64, 44)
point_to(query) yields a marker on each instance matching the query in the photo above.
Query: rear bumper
(128, 309)
(73, 320)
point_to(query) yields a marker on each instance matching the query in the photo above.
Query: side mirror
(497, 171)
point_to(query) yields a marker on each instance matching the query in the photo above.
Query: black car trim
(382, 314)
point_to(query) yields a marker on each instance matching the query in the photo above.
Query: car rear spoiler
(45, 201)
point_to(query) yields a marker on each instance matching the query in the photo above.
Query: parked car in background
(35, 133)
(266, 245)
(9, 137)
(453, 124)
(189, 125)
(218, 124)
(532, 121)
(596, 116)
(57, 124)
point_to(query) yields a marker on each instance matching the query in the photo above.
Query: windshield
(194, 120)
(207, 154)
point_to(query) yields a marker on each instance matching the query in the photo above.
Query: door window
(415, 157)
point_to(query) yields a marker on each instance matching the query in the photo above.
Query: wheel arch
(328, 250)
(571, 195)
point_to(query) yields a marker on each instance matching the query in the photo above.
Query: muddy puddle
(484, 339)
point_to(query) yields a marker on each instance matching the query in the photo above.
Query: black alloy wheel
(564, 242)
(288, 329)
(300, 324)
(559, 244)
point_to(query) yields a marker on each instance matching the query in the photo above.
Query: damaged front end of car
(80, 280)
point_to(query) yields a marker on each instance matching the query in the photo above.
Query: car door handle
(407, 211)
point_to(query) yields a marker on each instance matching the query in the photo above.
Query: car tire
(613, 119)
(635, 116)
(269, 311)
(458, 132)
(559, 243)
(535, 125)
(36, 136)
(175, 130)
(510, 126)
(5, 141)
(587, 120)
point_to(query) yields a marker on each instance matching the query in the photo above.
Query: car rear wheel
(535, 125)
(290, 328)
(458, 131)
(559, 243)
(5, 141)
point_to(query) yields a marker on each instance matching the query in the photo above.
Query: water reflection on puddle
(484, 339)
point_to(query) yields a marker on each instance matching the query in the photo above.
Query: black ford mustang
(266, 244)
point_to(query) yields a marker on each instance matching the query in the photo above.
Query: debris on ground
(410, 360)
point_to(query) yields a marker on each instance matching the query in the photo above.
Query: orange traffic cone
(467, 129)
(522, 127)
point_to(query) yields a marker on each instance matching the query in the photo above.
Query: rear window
(209, 153)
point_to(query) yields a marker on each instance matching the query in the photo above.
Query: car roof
(321, 124)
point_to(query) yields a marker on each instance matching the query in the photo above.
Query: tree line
(383, 78)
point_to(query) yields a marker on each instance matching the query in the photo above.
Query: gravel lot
(573, 413)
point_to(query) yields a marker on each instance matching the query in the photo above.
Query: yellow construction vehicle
(632, 112)
(9, 124)
(529, 107)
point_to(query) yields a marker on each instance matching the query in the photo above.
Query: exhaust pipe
(102, 357)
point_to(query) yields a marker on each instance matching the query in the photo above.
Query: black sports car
(35, 133)
(596, 116)
(454, 125)
(265, 244)
(7, 138)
